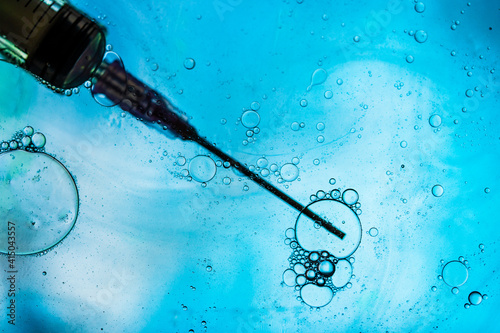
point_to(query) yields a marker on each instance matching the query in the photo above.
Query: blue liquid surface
(155, 250)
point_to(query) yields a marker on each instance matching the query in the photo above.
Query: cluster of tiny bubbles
(251, 119)
(318, 77)
(318, 275)
(399, 85)
(437, 190)
(189, 63)
(26, 139)
(421, 36)
(455, 24)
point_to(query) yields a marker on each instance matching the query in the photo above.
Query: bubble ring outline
(342, 203)
(43, 251)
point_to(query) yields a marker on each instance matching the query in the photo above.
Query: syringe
(82, 44)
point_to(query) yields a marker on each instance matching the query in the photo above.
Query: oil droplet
(434, 288)
(455, 273)
(226, 180)
(245, 188)
(289, 172)
(455, 290)
(181, 160)
(44, 273)
(475, 298)
(38, 140)
(403, 144)
(318, 77)
(326, 268)
(435, 120)
(209, 268)
(189, 63)
(26, 141)
(320, 126)
(421, 36)
(320, 139)
(373, 232)
(419, 7)
(487, 190)
(409, 59)
(316, 296)
(335, 194)
(332, 181)
(437, 190)
(262, 162)
(28, 130)
(40, 196)
(250, 119)
(316, 161)
(328, 94)
(469, 93)
(339, 82)
(202, 168)
(303, 103)
(350, 196)
(356, 39)
(255, 106)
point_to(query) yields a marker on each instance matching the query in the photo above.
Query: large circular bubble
(342, 274)
(202, 168)
(289, 277)
(316, 296)
(289, 172)
(39, 202)
(312, 238)
(455, 273)
(250, 119)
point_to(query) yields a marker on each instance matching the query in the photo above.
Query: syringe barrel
(145, 103)
(50, 39)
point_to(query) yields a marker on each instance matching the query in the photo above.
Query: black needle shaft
(145, 103)
(263, 183)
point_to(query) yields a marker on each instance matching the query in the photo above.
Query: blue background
(144, 236)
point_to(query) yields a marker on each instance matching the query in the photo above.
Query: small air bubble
(189, 63)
